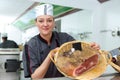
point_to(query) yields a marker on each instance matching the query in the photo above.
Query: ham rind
(86, 65)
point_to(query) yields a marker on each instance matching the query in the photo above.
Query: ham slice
(86, 65)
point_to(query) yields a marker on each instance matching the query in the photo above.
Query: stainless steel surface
(4, 55)
(115, 52)
(9, 51)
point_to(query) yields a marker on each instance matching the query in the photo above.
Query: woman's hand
(53, 52)
(95, 45)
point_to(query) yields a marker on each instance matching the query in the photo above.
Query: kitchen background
(92, 21)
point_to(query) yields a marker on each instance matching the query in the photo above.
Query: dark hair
(5, 38)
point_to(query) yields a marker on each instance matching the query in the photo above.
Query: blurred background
(85, 20)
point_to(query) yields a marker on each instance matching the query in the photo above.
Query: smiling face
(45, 24)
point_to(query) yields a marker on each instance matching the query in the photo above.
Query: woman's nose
(45, 23)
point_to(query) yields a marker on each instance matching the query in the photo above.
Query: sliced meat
(86, 65)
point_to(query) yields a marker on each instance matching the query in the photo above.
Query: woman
(40, 45)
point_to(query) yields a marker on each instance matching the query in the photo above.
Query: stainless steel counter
(9, 51)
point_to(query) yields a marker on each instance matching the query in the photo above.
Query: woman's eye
(49, 20)
(40, 21)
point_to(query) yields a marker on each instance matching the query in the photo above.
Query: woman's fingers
(95, 45)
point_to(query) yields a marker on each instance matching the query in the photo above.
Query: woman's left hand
(95, 45)
(53, 52)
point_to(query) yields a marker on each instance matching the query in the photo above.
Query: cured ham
(86, 65)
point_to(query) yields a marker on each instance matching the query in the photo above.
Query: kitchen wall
(29, 33)
(77, 23)
(112, 24)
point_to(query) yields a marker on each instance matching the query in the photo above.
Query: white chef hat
(44, 9)
(4, 34)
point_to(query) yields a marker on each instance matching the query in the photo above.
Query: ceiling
(12, 11)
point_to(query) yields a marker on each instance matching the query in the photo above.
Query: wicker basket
(86, 48)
